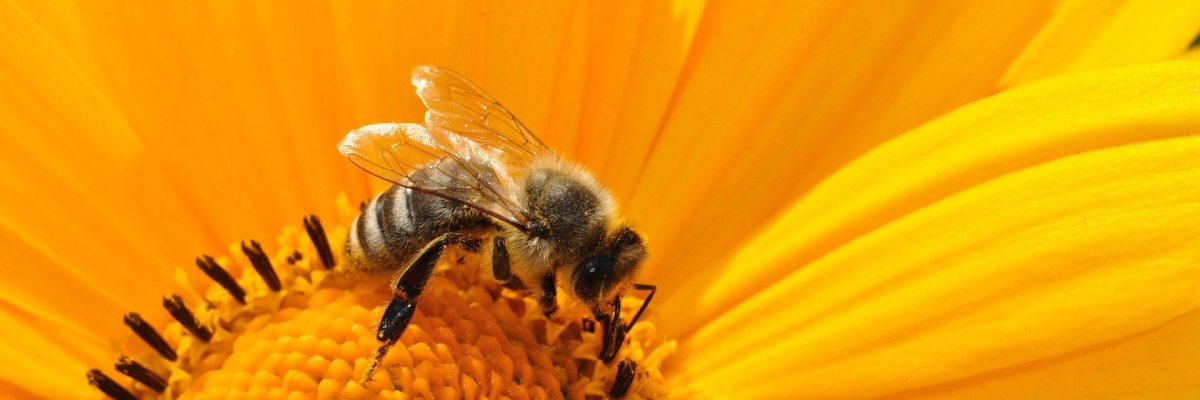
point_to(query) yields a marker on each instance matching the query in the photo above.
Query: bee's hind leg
(407, 288)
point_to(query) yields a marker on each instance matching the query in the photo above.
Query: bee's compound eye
(592, 277)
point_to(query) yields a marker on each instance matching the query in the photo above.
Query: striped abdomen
(399, 222)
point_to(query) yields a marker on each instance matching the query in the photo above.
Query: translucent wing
(457, 105)
(438, 162)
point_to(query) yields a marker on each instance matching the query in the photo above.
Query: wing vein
(470, 149)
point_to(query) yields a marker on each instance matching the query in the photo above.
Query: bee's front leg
(406, 288)
(613, 331)
(549, 298)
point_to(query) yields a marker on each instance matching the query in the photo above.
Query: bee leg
(500, 266)
(613, 331)
(407, 289)
(549, 297)
(623, 379)
(642, 286)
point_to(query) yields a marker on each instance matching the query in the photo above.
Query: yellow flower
(842, 200)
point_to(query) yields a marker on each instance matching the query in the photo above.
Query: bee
(472, 176)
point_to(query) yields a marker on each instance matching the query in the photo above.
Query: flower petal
(802, 128)
(632, 57)
(1094, 34)
(1042, 221)
(774, 98)
(79, 191)
(1160, 363)
(39, 360)
(18, 391)
(136, 139)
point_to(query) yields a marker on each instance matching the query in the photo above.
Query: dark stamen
(218, 274)
(149, 335)
(312, 224)
(175, 306)
(262, 264)
(140, 373)
(623, 379)
(108, 386)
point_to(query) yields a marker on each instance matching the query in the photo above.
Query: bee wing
(457, 105)
(438, 162)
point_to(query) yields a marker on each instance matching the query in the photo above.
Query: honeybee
(472, 176)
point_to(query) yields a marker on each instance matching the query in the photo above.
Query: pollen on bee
(314, 336)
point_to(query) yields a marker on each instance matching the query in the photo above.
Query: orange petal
(133, 146)
(633, 59)
(38, 360)
(78, 192)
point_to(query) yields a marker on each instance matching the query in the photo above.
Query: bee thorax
(571, 211)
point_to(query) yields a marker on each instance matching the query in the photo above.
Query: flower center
(298, 325)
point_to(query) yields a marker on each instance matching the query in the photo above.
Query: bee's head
(602, 275)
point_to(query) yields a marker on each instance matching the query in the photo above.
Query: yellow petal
(1088, 34)
(1158, 364)
(774, 98)
(1039, 222)
(1192, 54)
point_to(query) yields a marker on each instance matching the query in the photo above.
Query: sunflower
(841, 199)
